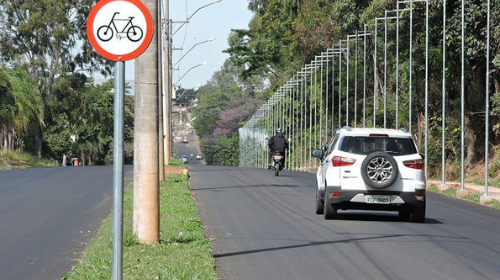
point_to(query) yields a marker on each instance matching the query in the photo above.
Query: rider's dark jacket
(277, 143)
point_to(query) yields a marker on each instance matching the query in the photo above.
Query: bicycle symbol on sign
(134, 32)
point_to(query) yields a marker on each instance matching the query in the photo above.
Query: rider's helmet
(279, 132)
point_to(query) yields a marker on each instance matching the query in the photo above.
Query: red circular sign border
(123, 57)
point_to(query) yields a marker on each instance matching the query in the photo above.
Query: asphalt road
(264, 227)
(188, 149)
(48, 216)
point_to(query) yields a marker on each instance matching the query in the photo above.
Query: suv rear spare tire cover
(379, 170)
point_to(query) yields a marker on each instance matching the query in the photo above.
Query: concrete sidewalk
(493, 192)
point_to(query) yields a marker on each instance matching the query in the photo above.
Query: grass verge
(19, 160)
(182, 253)
(474, 197)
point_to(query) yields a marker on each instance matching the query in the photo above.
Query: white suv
(371, 169)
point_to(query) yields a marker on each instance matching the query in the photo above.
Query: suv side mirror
(318, 154)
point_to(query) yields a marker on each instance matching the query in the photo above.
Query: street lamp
(206, 41)
(187, 20)
(203, 63)
(195, 89)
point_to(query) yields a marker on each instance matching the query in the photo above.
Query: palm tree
(23, 109)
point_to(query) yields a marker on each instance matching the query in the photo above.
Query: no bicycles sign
(120, 30)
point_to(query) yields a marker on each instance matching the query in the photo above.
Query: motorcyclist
(277, 143)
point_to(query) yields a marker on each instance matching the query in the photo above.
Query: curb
(493, 192)
(177, 171)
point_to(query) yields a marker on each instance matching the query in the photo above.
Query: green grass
(473, 197)
(450, 192)
(175, 163)
(19, 160)
(494, 203)
(433, 188)
(182, 253)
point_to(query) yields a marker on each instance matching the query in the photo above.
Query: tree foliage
(21, 109)
(46, 42)
(285, 35)
(224, 103)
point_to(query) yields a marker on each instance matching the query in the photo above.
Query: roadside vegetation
(224, 104)
(50, 106)
(18, 160)
(182, 253)
(472, 196)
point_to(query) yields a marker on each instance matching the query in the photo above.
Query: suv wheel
(404, 214)
(379, 170)
(319, 203)
(329, 211)
(418, 214)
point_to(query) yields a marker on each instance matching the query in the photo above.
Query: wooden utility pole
(146, 183)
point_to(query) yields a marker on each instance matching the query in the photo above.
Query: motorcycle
(278, 162)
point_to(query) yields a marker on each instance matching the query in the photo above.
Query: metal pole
(397, 65)
(161, 152)
(340, 82)
(443, 163)
(290, 124)
(333, 91)
(364, 78)
(269, 128)
(321, 102)
(294, 92)
(356, 81)
(167, 88)
(119, 106)
(385, 69)
(347, 85)
(426, 83)
(315, 105)
(310, 116)
(170, 131)
(303, 86)
(410, 66)
(327, 93)
(487, 109)
(375, 80)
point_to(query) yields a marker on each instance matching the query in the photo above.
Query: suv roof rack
(403, 130)
(348, 128)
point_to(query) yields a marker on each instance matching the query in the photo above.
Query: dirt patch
(15, 161)
(174, 170)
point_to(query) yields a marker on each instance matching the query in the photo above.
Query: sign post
(119, 30)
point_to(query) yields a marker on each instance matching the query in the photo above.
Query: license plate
(377, 199)
(277, 157)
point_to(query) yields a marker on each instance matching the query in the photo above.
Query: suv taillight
(415, 164)
(342, 161)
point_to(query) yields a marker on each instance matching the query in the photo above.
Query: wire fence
(367, 80)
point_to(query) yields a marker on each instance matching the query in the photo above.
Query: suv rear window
(365, 145)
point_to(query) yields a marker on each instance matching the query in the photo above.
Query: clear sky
(215, 20)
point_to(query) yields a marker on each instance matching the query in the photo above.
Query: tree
(48, 39)
(21, 107)
(234, 115)
(283, 35)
